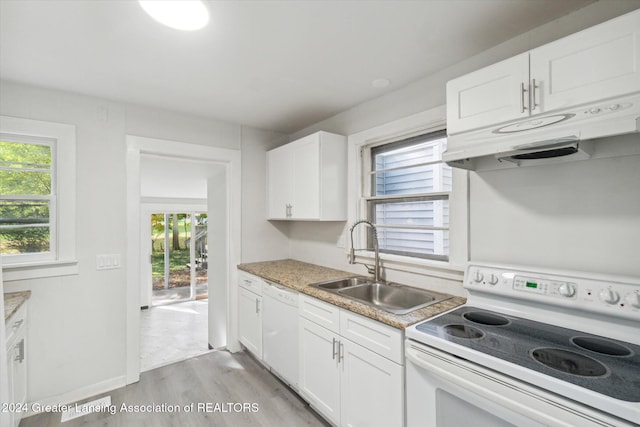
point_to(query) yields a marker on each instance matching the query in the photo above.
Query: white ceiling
(279, 65)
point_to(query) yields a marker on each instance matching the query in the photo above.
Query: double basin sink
(393, 298)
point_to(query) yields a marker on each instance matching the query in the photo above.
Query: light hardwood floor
(214, 378)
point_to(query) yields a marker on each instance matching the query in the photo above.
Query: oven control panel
(610, 295)
(547, 287)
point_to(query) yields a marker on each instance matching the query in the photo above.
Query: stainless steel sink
(393, 298)
(343, 283)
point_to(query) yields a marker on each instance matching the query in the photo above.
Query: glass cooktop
(606, 366)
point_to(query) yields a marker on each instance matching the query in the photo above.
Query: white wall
(579, 216)
(261, 240)
(616, 228)
(168, 177)
(77, 323)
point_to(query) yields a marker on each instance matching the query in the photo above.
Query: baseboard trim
(75, 395)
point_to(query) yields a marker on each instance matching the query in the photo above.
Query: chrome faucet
(352, 256)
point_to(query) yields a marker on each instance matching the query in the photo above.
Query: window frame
(425, 122)
(368, 196)
(62, 258)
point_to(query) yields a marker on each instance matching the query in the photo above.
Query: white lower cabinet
(347, 382)
(319, 380)
(372, 388)
(250, 314)
(17, 364)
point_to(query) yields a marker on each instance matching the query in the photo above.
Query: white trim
(5, 418)
(63, 215)
(38, 270)
(427, 121)
(76, 395)
(231, 161)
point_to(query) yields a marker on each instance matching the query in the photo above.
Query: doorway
(223, 203)
(179, 257)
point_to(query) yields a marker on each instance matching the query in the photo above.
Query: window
(407, 196)
(37, 198)
(27, 196)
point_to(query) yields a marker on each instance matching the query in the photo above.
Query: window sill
(425, 267)
(38, 270)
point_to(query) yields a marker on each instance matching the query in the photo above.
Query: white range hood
(553, 137)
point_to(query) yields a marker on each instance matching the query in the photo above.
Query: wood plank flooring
(217, 378)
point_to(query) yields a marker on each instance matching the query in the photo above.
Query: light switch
(107, 261)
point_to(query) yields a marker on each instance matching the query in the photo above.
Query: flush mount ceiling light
(186, 15)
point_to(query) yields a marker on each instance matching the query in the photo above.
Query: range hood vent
(559, 137)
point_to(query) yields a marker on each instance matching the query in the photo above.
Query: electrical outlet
(107, 261)
(340, 243)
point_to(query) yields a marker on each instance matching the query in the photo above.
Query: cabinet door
(250, 321)
(19, 374)
(306, 177)
(372, 388)
(597, 63)
(319, 380)
(279, 182)
(11, 415)
(494, 94)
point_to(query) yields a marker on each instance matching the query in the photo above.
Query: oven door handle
(433, 361)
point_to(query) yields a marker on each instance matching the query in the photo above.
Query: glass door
(179, 261)
(200, 256)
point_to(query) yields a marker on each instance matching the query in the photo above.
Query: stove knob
(567, 290)
(609, 296)
(493, 279)
(633, 300)
(478, 276)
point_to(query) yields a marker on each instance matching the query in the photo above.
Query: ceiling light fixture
(185, 15)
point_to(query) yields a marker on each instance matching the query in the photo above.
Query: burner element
(484, 318)
(569, 362)
(602, 346)
(462, 331)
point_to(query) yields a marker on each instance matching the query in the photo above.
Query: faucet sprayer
(352, 255)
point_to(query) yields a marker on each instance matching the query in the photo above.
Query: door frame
(230, 186)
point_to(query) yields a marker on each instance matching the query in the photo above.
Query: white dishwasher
(280, 332)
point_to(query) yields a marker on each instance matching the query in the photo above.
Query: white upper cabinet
(595, 64)
(491, 95)
(598, 63)
(306, 179)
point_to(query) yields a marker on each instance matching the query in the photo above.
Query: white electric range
(530, 347)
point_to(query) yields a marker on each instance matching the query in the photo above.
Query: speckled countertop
(299, 275)
(13, 301)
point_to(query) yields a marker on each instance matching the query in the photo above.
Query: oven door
(446, 391)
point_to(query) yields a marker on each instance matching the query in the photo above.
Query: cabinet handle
(257, 306)
(522, 92)
(334, 349)
(17, 324)
(20, 348)
(534, 86)
(340, 352)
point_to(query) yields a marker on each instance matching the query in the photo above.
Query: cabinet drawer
(16, 321)
(320, 312)
(250, 282)
(382, 339)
